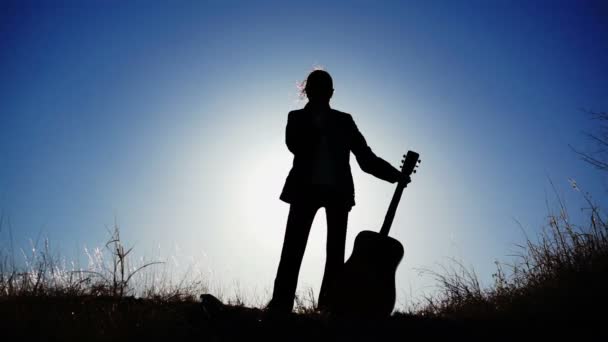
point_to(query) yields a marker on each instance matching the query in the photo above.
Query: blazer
(343, 137)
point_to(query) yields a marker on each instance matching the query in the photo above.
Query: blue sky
(170, 118)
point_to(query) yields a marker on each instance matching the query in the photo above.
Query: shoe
(274, 313)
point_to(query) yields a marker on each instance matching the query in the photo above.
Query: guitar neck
(392, 209)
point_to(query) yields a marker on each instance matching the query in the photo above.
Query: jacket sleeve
(292, 134)
(368, 161)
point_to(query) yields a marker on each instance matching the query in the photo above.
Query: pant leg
(337, 220)
(299, 222)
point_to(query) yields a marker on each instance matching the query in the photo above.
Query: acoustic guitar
(366, 286)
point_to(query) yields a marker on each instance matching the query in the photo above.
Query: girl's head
(319, 86)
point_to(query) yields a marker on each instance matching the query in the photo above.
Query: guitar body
(366, 288)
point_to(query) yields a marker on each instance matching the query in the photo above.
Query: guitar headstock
(410, 163)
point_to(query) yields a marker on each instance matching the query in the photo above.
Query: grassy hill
(559, 286)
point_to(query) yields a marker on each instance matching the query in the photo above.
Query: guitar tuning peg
(414, 171)
(419, 161)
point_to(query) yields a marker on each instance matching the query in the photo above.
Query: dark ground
(110, 319)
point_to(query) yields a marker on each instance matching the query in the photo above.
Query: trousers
(299, 222)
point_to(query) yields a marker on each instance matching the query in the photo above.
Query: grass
(559, 276)
(110, 273)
